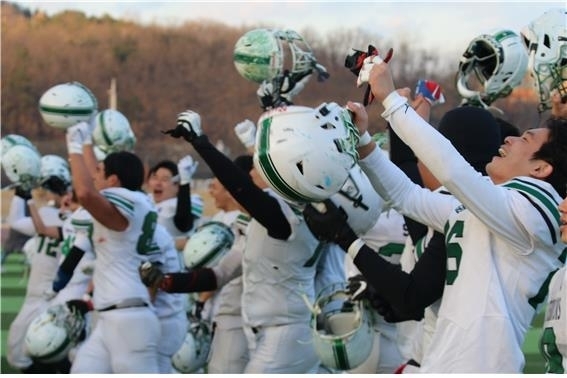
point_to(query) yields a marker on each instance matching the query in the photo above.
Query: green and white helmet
(262, 54)
(112, 132)
(546, 41)
(53, 333)
(10, 140)
(22, 166)
(258, 55)
(55, 174)
(207, 245)
(65, 105)
(305, 154)
(194, 351)
(341, 329)
(498, 61)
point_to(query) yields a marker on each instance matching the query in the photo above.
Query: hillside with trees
(161, 71)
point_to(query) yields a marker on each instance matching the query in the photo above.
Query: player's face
(563, 220)
(161, 186)
(221, 196)
(515, 156)
(100, 182)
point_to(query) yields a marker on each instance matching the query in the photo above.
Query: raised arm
(260, 205)
(484, 199)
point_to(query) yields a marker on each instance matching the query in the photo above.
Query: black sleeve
(407, 293)
(195, 281)
(183, 218)
(259, 204)
(72, 260)
(402, 156)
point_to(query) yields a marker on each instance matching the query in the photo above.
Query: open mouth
(502, 152)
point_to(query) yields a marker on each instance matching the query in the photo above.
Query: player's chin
(563, 231)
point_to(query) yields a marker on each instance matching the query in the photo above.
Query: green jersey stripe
(535, 186)
(540, 194)
(549, 224)
(118, 199)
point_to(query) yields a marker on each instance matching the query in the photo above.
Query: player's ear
(541, 169)
(114, 180)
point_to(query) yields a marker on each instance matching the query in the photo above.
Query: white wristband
(364, 139)
(354, 248)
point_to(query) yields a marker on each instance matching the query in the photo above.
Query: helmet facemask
(546, 41)
(498, 62)
(341, 328)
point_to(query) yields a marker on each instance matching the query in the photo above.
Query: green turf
(13, 283)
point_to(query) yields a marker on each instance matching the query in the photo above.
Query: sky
(442, 25)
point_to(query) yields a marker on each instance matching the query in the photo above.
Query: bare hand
(381, 81)
(359, 116)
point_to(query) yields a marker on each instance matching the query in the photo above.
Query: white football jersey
(276, 273)
(119, 254)
(502, 243)
(167, 209)
(225, 306)
(553, 342)
(387, 237)
(44, 253)
(77, 230)
(167, 304)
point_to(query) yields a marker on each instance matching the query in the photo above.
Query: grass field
(13, 285)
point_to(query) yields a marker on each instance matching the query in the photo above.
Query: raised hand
(188, 126)
(186, 167)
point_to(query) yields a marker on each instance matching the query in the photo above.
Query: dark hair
(473, 132)
(554, 151)
(55, 185)
(127, 166)
(167, 164)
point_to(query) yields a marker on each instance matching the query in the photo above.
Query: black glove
(330, 226)
(188, 126)
(79, 306)
(358, 289)
(151, 275)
